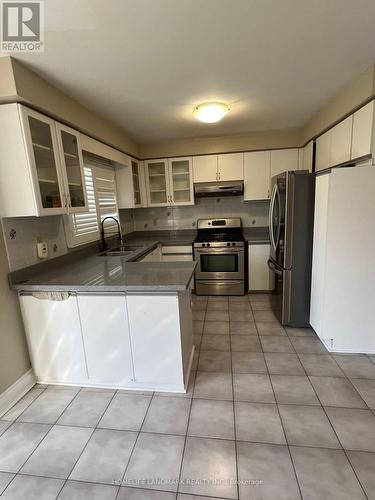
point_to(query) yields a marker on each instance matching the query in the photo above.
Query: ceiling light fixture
(210, 112)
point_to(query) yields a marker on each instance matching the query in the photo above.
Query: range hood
(234, 188)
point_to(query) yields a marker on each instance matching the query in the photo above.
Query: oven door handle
(225, 250)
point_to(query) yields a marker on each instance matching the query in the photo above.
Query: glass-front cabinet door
(181, 181)
(72, 162)
(157, 183)
(136, 184)
(44, 158)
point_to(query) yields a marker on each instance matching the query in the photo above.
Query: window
(102, 202)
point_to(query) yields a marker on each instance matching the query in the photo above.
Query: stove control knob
(233, 244)
(208, 244)
(228, 244)
(203, 244)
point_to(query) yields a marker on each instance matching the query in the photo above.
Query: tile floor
(269, 414)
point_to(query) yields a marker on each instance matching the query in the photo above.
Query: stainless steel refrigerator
(291, 233)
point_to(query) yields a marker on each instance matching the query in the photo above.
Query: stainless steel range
(219, 249)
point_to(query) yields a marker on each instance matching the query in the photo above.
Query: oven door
(220, 263)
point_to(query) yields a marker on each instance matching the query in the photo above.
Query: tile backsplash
(21, 235)
(253, 214)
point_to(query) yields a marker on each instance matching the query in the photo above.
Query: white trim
(14, 393)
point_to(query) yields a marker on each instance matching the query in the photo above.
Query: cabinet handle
(65, 201)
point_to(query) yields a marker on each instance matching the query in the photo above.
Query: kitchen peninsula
(110, 321)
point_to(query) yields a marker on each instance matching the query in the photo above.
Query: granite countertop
(112, 274)
(173, 237)
(256, 235)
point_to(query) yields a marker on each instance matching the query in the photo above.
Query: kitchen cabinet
(157, 350)
(127, 341)
(169, 182)
(42, 159)
(305, 161)
(323, 151)
(230, 167)
(176, 253)
(106, 337)
(181, 190)
(341, 138)
(205, 168)
(283, 160)
(72, 171)
(257, 172)
(363, 131)
(260, 276)
(53, 333)
(212, 168)
(153, 256)
(130, 184)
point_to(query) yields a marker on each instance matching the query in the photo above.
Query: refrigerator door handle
(270, 216)
(274, 267)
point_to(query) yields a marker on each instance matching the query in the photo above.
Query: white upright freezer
(343, 270)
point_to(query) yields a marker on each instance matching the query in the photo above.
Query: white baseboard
(15, 392)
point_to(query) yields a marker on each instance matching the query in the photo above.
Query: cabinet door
(283, 160)
(307, 157)
(156, 342)
(157, 183)
(136, 183)
(341, 141)
(42, 146)
(205, 168)
(257, 170)
(319, 252)
(363, 131)
(260, 276)
(181, 181)
(54, 337)
(323, 151)
(230, 167)
(72, 163)
(105, 332)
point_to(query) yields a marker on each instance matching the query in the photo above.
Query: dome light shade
(210, 112)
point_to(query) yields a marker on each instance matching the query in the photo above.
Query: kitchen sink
(123, 250)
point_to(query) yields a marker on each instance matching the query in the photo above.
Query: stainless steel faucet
(119, 233)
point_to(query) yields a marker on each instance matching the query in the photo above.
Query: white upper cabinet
(230, 167)
(363, 131)
(169, 182)
(205, 168)
(257, 171)
(305, 157)
(323, 151)
(72, 162)
(181, 181)
(157, 183)
(283, 160)
(130, 183)
(42, 160)
(341, 139)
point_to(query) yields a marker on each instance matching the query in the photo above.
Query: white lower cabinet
(54, 337)
(176, 253)
(260, 276)
(154, 321)
(140, 341)
(105, 331)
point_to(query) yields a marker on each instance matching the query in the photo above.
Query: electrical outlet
(42, 250)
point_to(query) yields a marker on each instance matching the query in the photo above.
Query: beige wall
(271, 139)
(7, 84)
(14, 359)
(352, 95)
(34, 90)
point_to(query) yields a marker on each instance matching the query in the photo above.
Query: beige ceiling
(144, 64)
